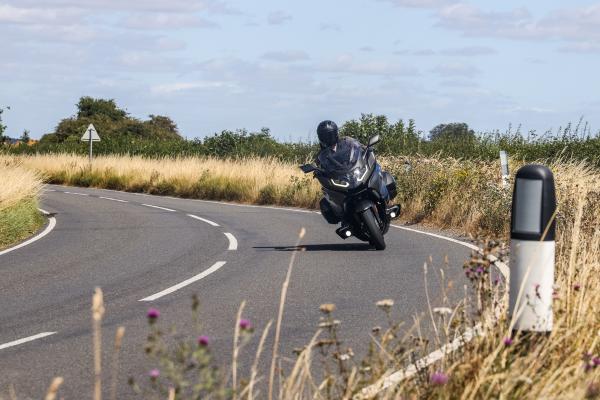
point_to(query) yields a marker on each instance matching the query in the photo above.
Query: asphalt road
(133, 251)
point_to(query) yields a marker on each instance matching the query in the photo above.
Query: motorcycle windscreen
(347, 155)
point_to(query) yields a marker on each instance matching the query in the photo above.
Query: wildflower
(480, 270)
(327, 308)
(438, 379)
(577, 287)
(508, 341)
(154, 374)
(596, 361)
(245, 324)
(203, 340)
(385, 304)
(152, 314)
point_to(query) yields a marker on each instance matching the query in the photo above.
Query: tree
(451, 131)
(89, 107)
(25, 138)
(2, 127)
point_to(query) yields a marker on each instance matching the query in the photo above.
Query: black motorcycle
(352, 181)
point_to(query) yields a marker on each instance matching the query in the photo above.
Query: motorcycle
(351, 181)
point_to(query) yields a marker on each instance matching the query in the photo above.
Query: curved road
(146, 247)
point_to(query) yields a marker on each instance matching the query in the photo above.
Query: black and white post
(532, 249)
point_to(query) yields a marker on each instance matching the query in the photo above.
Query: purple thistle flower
(508, 341)
(203, 340)
(245, 324)
(480, 270)
(577, 286)
(154, 373)
(153, 314)
(438, 379)
(596, 361)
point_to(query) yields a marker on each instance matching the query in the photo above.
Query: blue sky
(213, 65)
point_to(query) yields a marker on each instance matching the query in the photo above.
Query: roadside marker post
(504, 166)
(532, 249)
(90, 135)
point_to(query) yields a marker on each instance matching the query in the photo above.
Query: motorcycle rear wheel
(375, 235)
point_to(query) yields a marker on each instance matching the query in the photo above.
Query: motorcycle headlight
(361, 173)
(339, 183)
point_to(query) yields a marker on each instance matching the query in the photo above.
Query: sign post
(532, 249)
(90, 135)
(504, 165)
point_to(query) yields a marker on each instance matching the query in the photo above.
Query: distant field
(19, 216)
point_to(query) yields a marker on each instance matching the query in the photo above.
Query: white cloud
(455, 69)
(169, 88)
(212, 6)
(469, 51)
(328, 26)
(21, 15)
(166, 21)
(278, 18)
(345, 63)
(580, 25)
(285, 56)
(420, 3)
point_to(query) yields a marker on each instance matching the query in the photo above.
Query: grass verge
(19, 222)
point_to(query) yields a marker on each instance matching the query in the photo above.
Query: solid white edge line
(160, 208)
(233, 244)
(49, 228)
(469, 245)
(25, 340)
(185, 283)
(203, 219)
(77, 194)
(111, 199)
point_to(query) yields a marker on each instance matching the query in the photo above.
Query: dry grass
(19, 217)
(262, 181)
(18, 183)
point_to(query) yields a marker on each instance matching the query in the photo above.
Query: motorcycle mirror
(306, 168)
(373, 141)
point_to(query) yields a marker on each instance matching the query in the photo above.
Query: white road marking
(203, 220)
(77, 194)
(185, 283)
(25, 340)
(160, 208)
(502, 267)
(111, 199)
(49, 190)
(232, 241)
(51, 225)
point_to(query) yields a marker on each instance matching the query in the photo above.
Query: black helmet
(328, 133)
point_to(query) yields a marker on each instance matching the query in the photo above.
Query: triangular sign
(90, 131)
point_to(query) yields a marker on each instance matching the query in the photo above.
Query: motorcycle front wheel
(375, 235)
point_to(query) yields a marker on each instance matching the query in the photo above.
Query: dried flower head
(327, 308)
(385, 304)
(442, 310)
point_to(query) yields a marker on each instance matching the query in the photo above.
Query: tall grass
(19, 216)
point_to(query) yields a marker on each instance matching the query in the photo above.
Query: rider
(329, 139)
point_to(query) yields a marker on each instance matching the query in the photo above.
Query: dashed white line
(185, 283)
(203, 219)
(233, 244)
(111, 199)
(51, 225)
(160, 208)
(77, 194)
(25, 340)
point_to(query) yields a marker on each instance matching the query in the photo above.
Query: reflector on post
(532, 233)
